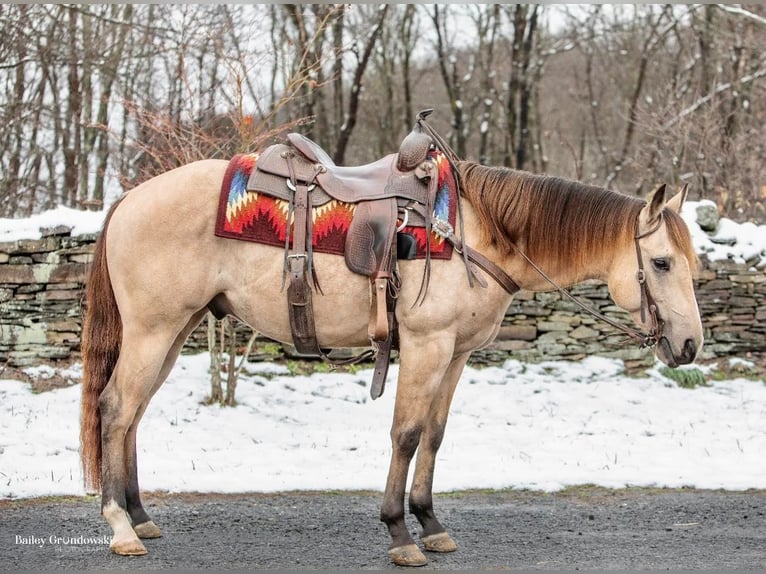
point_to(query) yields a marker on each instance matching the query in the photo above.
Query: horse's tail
(100, 345)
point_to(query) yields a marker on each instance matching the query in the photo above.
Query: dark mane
(559, 223)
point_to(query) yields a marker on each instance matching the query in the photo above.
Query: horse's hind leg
(143, 525)
(135, 376)
(434, 536)
(422, 365)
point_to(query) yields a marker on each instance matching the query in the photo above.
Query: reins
(646, 340)
(648, 303)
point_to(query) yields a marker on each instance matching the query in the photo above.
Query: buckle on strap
(291, 185)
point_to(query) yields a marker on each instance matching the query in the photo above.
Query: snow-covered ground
(542, 426)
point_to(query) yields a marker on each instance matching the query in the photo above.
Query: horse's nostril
(690, 351)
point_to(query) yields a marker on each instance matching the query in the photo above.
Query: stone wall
(539, 326)
(41, 286)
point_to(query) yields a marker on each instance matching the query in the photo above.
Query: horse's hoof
(128, 548)
(440, 542)
(409, 555)
(147, 530)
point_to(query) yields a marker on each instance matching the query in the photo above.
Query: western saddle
(303, 174)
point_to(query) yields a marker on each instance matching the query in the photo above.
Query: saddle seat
(380, 179)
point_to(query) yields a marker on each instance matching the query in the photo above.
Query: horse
(158, 269)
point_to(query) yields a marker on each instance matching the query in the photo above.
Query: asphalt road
(585, 528)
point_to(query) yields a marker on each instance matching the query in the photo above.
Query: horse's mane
(561, 224)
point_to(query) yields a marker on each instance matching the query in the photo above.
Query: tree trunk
(216, 392)
(356, 89)
(526, 89)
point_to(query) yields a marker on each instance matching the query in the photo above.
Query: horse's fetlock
(421, 509)
(391, 514)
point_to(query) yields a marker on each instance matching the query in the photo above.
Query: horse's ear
(677, 201)
(654, 205)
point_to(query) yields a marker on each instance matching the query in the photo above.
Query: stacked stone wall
(42, 283)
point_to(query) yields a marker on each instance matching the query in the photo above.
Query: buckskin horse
(158, 268)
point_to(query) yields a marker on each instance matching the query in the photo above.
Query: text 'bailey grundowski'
(53, 539)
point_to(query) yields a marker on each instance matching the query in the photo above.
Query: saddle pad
(251, 216)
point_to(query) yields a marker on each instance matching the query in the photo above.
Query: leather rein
(471, 256)
(648, 304)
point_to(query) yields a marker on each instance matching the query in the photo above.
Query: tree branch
(719, 90)
(742, 12)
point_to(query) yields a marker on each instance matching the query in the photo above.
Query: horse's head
(663, 257)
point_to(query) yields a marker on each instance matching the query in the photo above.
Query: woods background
(96, 98)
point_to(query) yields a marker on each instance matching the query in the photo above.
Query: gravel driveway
(583, 528)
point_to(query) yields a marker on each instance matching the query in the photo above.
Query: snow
(739, 242)
(526, 426)
(82, 222)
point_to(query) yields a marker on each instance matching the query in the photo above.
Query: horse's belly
(341, 308)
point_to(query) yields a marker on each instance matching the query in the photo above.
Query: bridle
(648, 304)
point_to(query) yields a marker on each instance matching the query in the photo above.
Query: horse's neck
(523, 273)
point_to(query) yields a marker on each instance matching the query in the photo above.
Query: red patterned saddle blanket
(252, 216)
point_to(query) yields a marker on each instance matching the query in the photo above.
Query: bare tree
(447, 60)
(93, 96)
(351, 112)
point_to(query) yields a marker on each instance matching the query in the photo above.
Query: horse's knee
(406, 440)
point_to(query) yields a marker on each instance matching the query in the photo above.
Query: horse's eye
(661, 264)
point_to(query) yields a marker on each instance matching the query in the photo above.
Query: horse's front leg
(434, 536)
(422, 364)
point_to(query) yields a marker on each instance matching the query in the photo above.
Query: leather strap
(444, 229)
(383, 359)
(298, 267)
(501, 277)
(648, 304)
(301, 309)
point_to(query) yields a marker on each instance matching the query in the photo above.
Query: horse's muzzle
(687, 355)
(689, 352)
